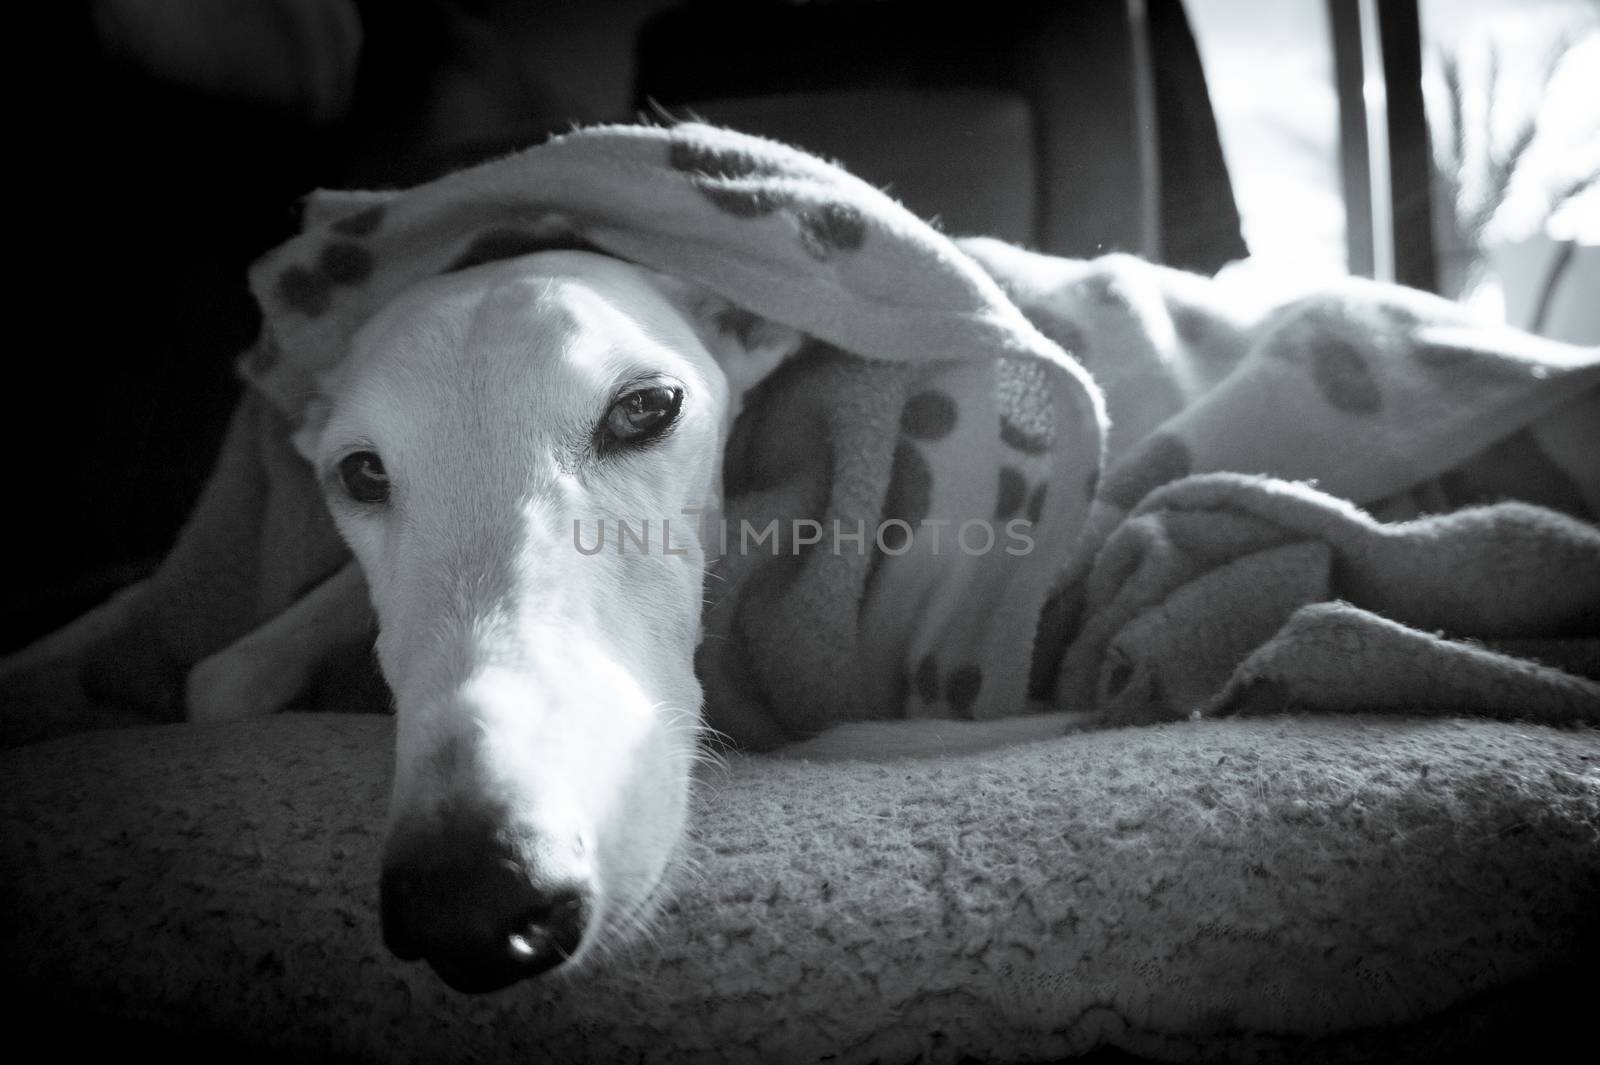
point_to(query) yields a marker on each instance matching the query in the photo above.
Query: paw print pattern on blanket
(973, 465)
(1112, 315)
(340, 261)
(1332, 343)
(1367, 390)
(1204, 566)
(1151, 581)
(927, 417)
(1197, 582)
(1028, 428)
(309, 289)
(748, 186)
(1159, 459)
(842, 439)
(958, 689)
(343, 262)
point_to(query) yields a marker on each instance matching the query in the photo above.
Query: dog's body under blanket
(947, 456)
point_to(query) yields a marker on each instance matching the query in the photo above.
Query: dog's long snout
(484, 905)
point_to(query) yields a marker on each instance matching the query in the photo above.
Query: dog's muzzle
(484, 903)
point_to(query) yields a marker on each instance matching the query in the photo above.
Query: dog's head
(490, 437)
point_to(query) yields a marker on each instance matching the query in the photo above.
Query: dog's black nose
(468, 903)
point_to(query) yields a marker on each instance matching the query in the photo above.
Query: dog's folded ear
(745, 345)
(313, 414)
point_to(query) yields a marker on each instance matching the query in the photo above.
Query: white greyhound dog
(548, 709)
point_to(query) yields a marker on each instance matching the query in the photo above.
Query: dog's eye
(642, 414)
(364, 478)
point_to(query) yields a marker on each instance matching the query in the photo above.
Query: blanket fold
(1193, 586)
(1218, 572)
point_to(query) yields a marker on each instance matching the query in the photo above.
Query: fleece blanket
(1310, 509)
(926, 513)
(971, 388)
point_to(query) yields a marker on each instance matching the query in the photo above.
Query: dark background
(168, 155)
(156, 196)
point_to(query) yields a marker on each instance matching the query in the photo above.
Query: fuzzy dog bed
(1306, 889)
(1300, 511)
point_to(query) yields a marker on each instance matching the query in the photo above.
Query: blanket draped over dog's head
(966, 414)
(916, 520)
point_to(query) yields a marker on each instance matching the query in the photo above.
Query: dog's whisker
(710, 759)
